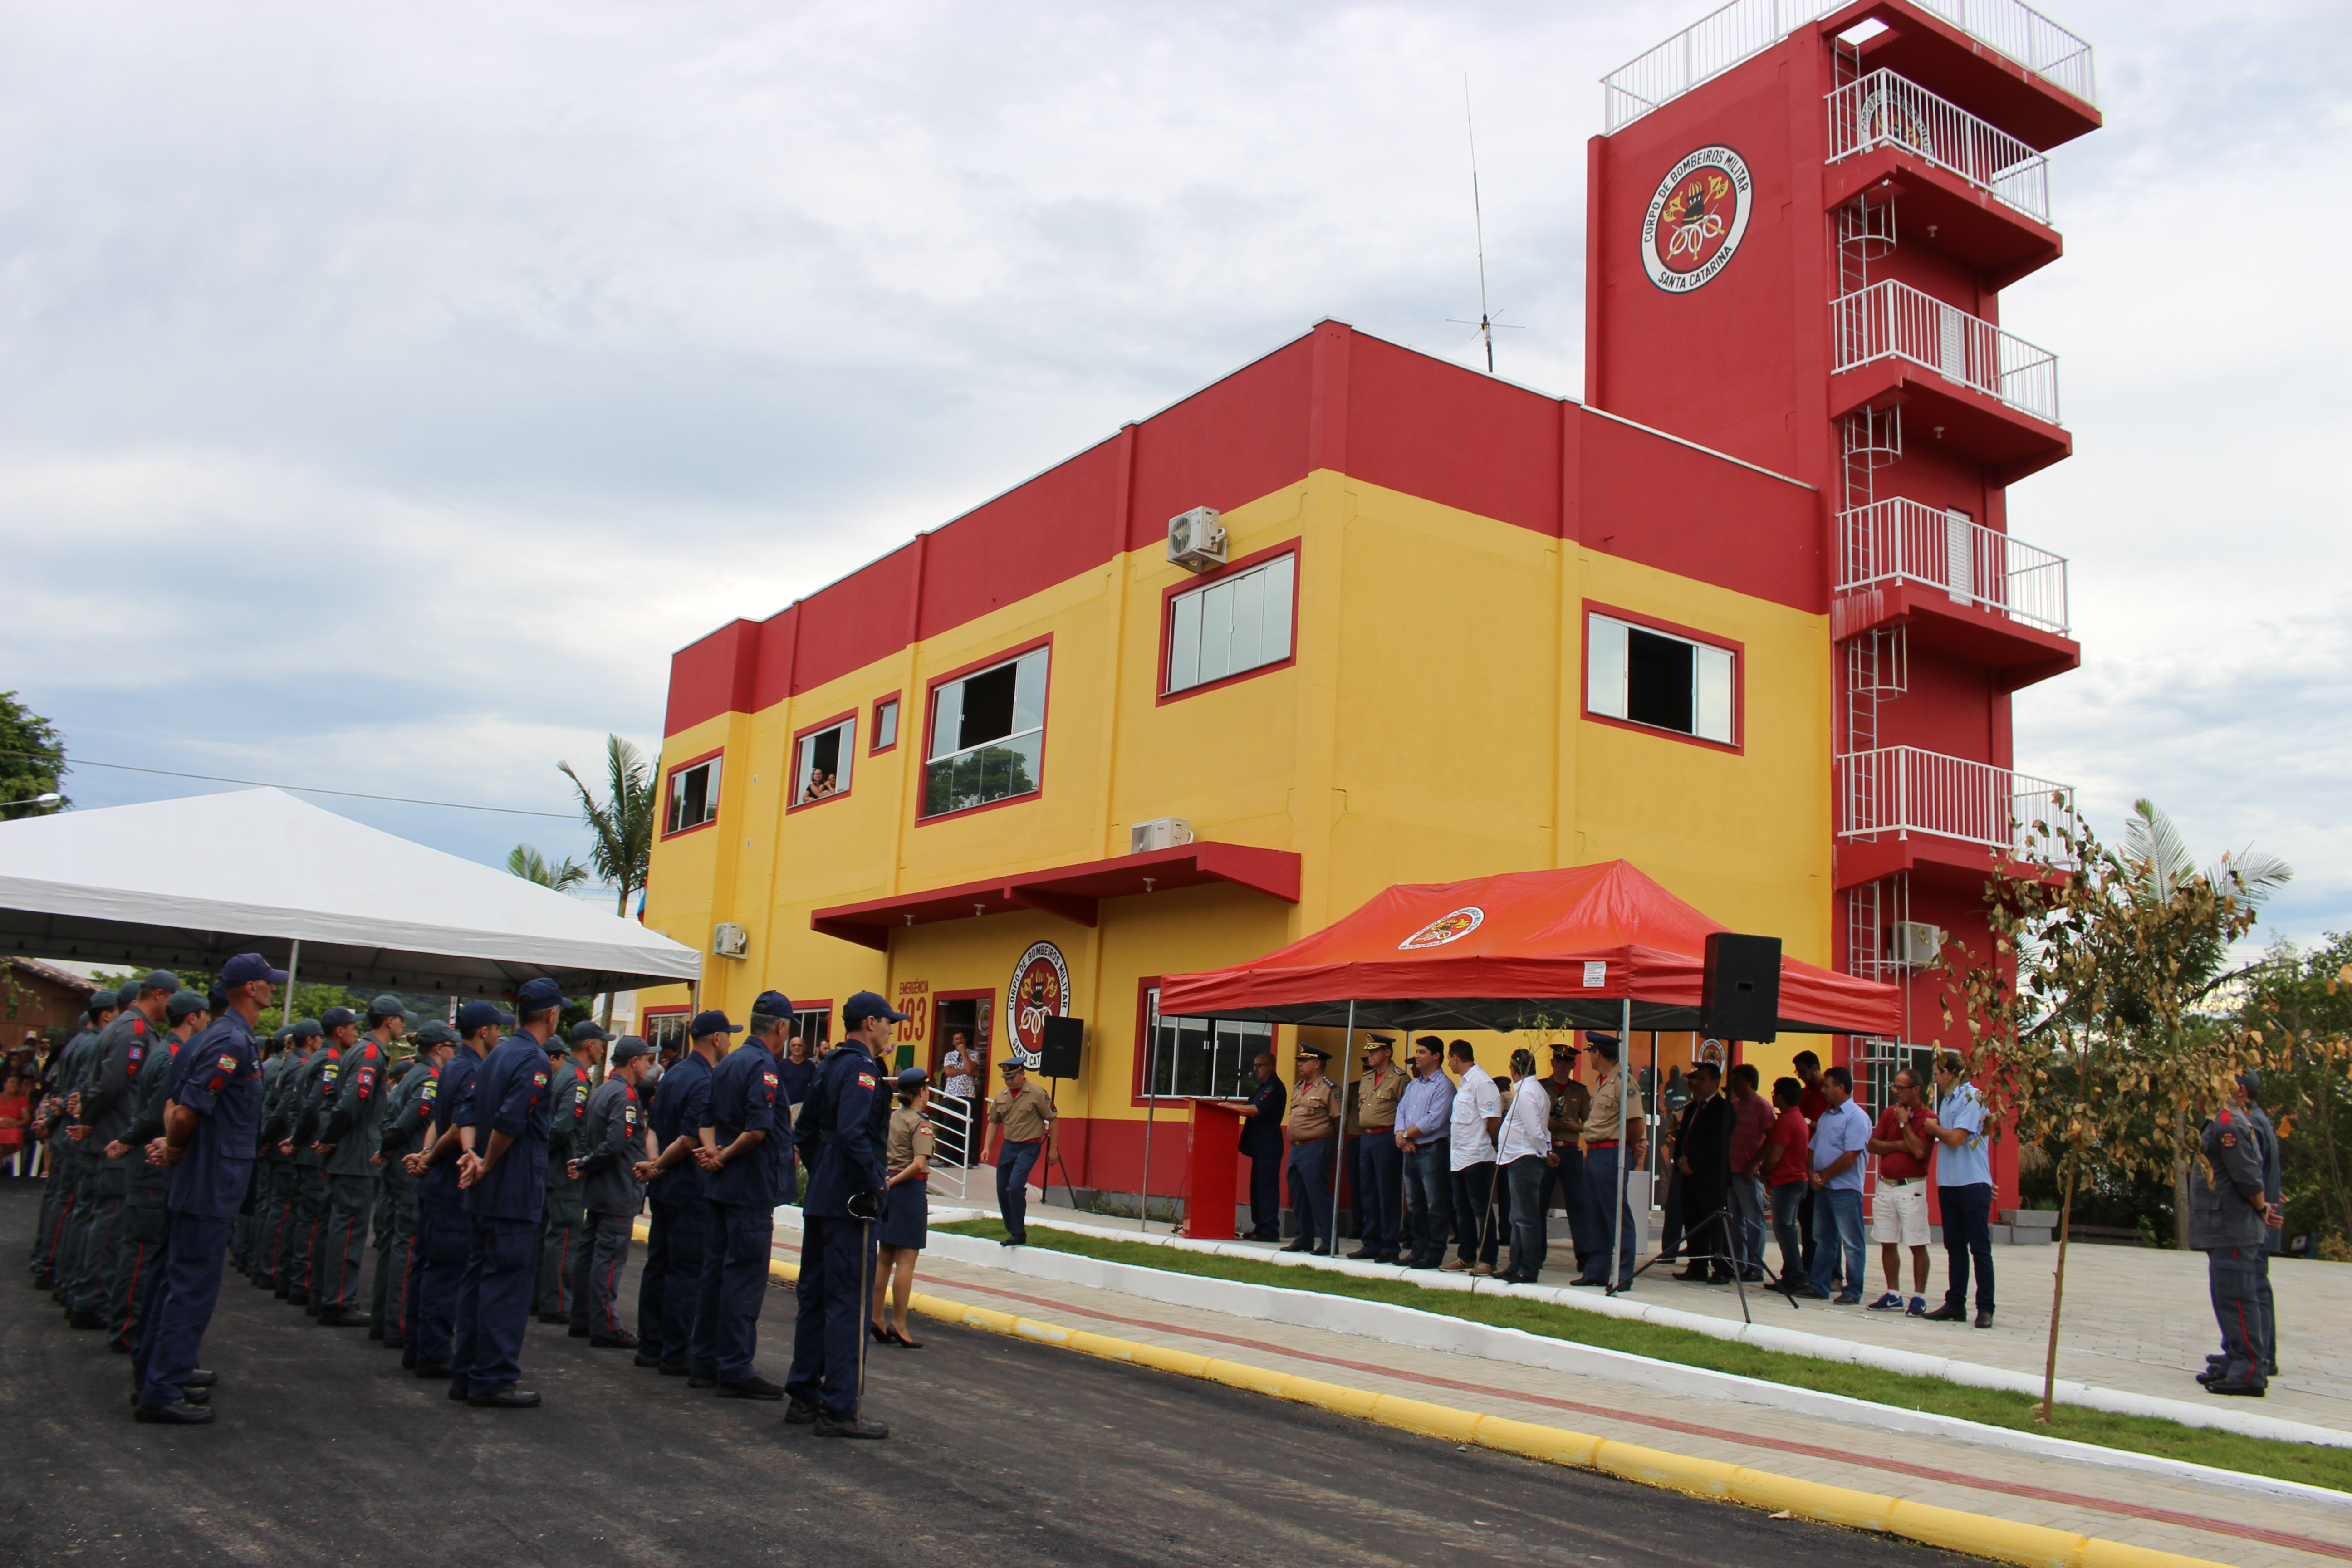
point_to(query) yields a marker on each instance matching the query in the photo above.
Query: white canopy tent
(183, 884)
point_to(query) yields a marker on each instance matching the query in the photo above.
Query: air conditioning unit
(1196, 540)
(1915, 943)
(729, 940)
(1159, 833)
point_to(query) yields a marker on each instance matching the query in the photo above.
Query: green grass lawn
(2225, 1450)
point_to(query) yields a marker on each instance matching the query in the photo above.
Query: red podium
(1210, 1153)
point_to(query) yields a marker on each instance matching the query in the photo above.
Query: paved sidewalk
(2135, 1319)
(2220, 1524)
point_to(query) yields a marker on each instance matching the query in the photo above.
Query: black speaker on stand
(1057, 1052)
(1740, 996)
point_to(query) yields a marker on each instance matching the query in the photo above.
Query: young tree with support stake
(2077, 1017)
(621, 825)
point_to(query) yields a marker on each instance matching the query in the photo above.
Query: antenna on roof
(1486, 323)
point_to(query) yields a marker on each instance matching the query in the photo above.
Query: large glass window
(1235, 624)
(1207, 1058)
(693, 796)
(988, 736)
(821, 768)
(1653, 677)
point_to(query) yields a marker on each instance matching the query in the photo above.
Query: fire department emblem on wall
(1040, 990)
(1696, 218)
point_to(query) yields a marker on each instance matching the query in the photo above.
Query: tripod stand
(1720, 1223)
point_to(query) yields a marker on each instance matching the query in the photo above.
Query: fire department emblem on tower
(1697, 219)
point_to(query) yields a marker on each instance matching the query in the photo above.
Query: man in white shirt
(1477, 1114)
(1524, 1154)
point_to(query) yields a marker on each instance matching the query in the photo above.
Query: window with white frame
(1233, 624)
(988, 736)
(1207, 1058)
(1653, 678)
(693, 796)
(885, 724)
(822, 767)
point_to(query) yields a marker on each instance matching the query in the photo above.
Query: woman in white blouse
(1524, 1150)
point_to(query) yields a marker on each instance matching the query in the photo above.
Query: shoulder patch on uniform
(866, 1081)
(138, 1025)
(228, 1064)
(771, 1078)
(538, 1080)
(136, 1053)
(2228, 1139)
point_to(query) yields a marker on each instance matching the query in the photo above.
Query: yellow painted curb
(1981, 1535)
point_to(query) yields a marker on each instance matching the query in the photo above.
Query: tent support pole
(1340, 1153)
(1617, 1214)
(293, 965)
(1150, 1115)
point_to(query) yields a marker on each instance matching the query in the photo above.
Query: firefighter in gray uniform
(349, 1114)
(77, 1154)
(305, 1193)
(270, 1216)
(2248, 1098)
(139, 1238)
(56, 1122)
(560, 1236)
(106, 1107)
(406, 1119)
(391, 1177)
(2229, 1218)
(612, 1146)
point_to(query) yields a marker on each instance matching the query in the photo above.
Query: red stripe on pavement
(1781, 1445)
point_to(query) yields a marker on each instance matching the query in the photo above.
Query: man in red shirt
(1787, 1161)
(1898, 1211)
(1751, 1123)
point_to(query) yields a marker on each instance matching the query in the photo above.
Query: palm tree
(622, 826)
(526, 862)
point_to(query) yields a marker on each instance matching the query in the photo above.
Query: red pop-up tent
(1568, 947)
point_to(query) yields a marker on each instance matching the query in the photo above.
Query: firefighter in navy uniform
(569, 1062)
(139, 1245)
(840, 1137)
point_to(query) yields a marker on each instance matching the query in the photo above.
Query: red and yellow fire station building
(1750, 617)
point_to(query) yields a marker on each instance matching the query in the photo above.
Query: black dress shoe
(619, 1339)
(187, 1395)
(1301, 1245)
(1360, 1256)
(1984, 1316)
(336, 1317)
(392, 1344)
(374, 1332)
(695, 1380)
(641, 1358)
(673, 1369)
(578, 1331)
(179, 1412)
(200, 1378)
(801, 1412)
(750, 1388)
(507, 1398)
(1947, 1313)
(85, 1320)
(855, 1427)
(555, 1317)
(1695, 1276)
(460, 1390)
(432, 1370)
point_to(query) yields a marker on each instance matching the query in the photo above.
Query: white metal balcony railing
(1895, 320)
(1884, 109)
(1899, 539)
(1903, 790)
(1721, 39)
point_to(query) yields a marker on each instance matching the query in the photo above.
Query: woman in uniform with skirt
(906, 1217)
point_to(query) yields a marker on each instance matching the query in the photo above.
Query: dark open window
(693, 796)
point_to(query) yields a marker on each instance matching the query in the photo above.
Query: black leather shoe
(1301, 1245)
(336, 1317)
(431, 1371)
(374, 1332)
(85, 1320)
(2247, 1387)
(621, 1339)
(555, 1317)
(641, 1359)
(750, 1388)
(200, 1378)
(673, 1369)
(1695, 1276)
(855, 1427)
(1947, 1313)
(391, 1344)
(1984, 1318)
(461, 1391)
(695, 1380)
(44, 1281)
(178, 1413)
(187, 1395)
(508, 1398)
(1360, 1256)
(801, 1412)
(577, 1330)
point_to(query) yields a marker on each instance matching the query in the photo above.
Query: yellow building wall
(1430, 728)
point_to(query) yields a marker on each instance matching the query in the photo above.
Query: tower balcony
(1971, 189)
(2033, 53)
(1987, 393)
(1960, 587)
(1944, 819)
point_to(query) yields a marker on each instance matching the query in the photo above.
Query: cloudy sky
(386, 390)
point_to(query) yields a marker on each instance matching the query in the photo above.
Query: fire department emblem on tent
(1446, 928)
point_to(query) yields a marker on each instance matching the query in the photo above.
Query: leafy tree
(2078, 1016)
(2299, 1006)
(622, 825)
(32, 756)
(525, 861)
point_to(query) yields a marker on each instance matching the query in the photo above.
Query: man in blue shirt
(677, 1243)
(209, 1128)
(1424, 1123)
(747, 1172)
(1963, 1191)
(503, 1172)
(444, 1236)
(1841, 1148)
(841, 1136)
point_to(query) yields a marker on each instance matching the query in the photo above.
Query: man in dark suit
(1262, 1141)
(1702, 1156)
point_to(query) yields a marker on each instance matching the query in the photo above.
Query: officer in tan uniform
(1379, 1163)
(1020, 1120)
(1571, 1102)
(1311, 1127)
(1613, 1101)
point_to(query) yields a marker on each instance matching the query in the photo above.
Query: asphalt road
(1001, 1452)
